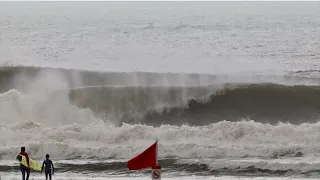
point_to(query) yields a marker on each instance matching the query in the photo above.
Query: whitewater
(229, 89)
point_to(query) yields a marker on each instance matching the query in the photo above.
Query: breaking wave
(167, 98)
(269, 103)
(218, 140)
(198, 120)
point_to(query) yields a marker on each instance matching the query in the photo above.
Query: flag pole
(157, 153)
(156, 170)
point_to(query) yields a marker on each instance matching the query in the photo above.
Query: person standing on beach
(23, 168)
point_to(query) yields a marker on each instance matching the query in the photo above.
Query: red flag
(147, 158)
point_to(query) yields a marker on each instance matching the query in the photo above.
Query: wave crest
(268, 103)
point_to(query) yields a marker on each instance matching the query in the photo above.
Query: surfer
(23, 168)
(49, 167)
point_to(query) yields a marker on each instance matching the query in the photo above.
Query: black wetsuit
(48, 169)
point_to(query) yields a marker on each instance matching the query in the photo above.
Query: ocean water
(229, 89)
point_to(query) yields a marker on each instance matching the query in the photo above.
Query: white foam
(298, 165)
(104, 141)
(45, 123)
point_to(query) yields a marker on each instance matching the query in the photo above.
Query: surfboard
(34, 165)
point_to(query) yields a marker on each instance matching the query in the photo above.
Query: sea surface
(231, 90)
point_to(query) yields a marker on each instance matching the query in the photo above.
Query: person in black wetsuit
(49, 167)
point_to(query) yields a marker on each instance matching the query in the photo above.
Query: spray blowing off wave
(167, 98)
(19, 78)
(269, 103)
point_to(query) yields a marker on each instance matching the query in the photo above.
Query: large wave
(168, 98)
(199, 118)
(270, 103)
